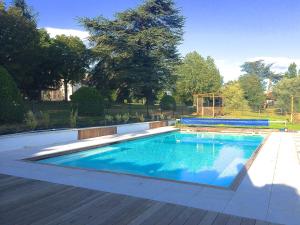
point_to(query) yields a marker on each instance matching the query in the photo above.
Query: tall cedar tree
(136, 51)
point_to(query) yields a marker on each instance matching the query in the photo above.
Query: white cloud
(230, 70)
(69, 32)
(280, 64)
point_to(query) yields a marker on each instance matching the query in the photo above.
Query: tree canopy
(136, 51)
(263, 71)
(292, 71)
(72, 57)
(284, 90)
(233, 97)
(197, 75)
(253, 90)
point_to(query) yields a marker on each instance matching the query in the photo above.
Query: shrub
(45, 119)
(168, 103)
(162, 117)
(30, 120)
(73, 118)
(88, 102)
(139, 117)
(12, 107)
(125, 117)
(118, 118)
(109, 119)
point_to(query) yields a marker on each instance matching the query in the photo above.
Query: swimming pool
(203, 158)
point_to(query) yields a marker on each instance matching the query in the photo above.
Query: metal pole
(213, 105)
(292, 108)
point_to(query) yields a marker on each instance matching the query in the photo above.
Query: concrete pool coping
(269, 191)
(233, 186)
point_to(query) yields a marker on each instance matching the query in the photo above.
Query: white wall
(35, 139)
(133, 127)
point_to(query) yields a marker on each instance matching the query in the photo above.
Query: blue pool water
(206, 158)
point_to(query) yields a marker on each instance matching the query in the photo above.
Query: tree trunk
(66, 90)
(147, 108)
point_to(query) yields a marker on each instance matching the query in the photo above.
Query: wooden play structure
(295, 115)
(208, 104)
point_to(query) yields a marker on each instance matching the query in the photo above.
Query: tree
(88, 102)
(167, 102)
(45, 68)
(12, 107)
(283, 91)
(292, 71)
(26, 11)
(233, 97)
(197, 75)
(72, 58)
(253, 90)
(263, 71)
(19, 40)
(137, 50)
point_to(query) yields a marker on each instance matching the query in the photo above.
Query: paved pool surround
(270, 190)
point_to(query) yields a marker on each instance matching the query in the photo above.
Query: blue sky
(231, 31)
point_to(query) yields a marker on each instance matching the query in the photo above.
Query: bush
(139, 117)
(45, 119)
(168, 103)
(30, 120)
(88, 102)
(118, 118)
(73, 118)
(125, 117)
(12, 106)
(108, 119)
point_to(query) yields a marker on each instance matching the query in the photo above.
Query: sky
(230, 31)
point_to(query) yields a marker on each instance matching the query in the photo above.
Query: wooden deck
(25, 201)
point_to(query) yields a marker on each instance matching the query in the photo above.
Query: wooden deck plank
(25, 201)
(159, 215)
(89, 212)
(183, 217)
(147, 213)
(221, 219)
(133, 214)
(171, 215)
(234, 220)
(196, 217)
(209, 218)
(246, 221)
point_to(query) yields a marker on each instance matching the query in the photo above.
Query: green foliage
(118, 118)
(197, 75)
(12, 107)
(292, 71)
(263, 71)
(125, 117)
(284, 90)
(45, 119)
(88, 102)
(139, 117)
(168, 103)
(72, 56)
(30, 120)
(234, 97)
(108, 119)
(253, 90)
(19, 41)
(144, 43)
(73, 118)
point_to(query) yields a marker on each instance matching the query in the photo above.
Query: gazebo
(208, 104)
